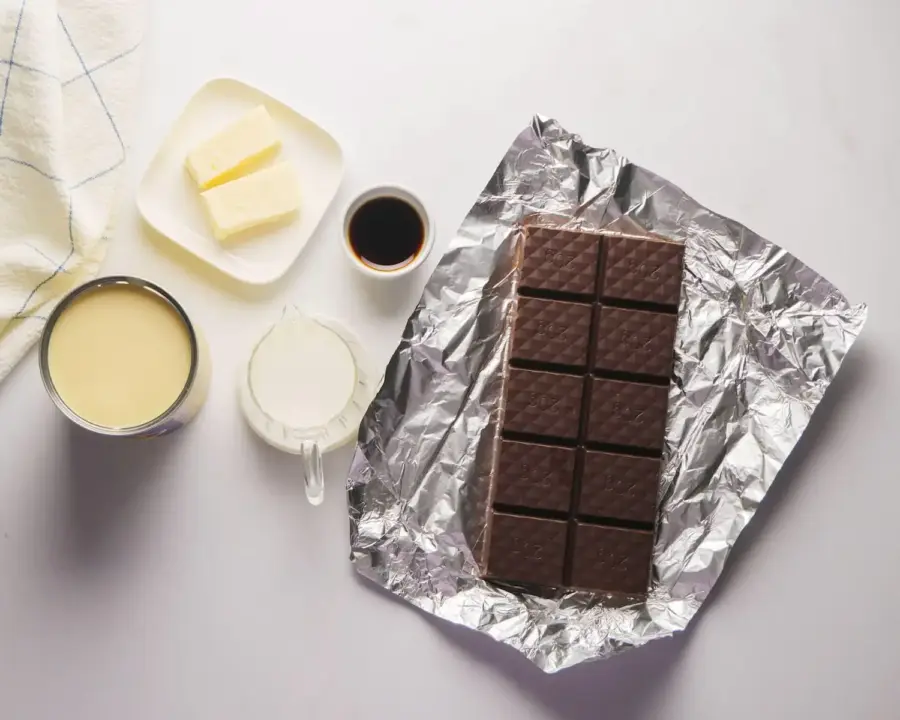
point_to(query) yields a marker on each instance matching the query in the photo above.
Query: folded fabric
(68, 78)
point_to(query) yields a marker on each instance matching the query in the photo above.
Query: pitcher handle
(314, 476)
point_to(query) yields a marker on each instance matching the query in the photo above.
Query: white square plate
(169, 199)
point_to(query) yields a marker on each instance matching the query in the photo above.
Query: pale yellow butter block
(235, 150)
(262, 197)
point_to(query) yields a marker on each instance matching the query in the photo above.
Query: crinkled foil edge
(760, 338)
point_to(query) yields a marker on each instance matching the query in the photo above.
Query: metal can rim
(50, 387)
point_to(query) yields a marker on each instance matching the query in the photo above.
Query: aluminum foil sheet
(760, 338)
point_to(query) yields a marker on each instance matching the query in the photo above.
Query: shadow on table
(622, 687)
(630, 685)
(103, 478)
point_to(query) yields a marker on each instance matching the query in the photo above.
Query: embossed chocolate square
(612, 559)
(551, 331)
(642, 270)
(532, 475)
(543, 403)
(619, 487)
(560, 260)
(635, 341)
(527, 550)
(628, 413)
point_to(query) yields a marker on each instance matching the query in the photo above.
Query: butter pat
(235, 150)
(262, 197)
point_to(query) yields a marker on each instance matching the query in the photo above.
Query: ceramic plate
(169, 200)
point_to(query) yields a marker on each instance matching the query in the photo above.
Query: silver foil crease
(760, 338)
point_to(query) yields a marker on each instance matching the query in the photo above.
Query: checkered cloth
(68, 76)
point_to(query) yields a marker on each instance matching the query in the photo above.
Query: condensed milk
(119, 356)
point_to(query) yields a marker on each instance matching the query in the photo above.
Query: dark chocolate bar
(585, 403)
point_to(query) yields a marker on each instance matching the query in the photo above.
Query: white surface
(169, 200)
(189, 579)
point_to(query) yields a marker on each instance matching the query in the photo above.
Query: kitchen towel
(68, 79)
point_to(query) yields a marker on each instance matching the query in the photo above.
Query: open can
(140, 308)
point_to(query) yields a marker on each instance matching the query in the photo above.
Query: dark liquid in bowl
(386, 233)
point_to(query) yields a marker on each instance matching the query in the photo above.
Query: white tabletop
(188, 578)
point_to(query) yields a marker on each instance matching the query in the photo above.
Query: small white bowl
(401, 193)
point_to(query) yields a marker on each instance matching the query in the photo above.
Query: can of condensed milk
(120, 356)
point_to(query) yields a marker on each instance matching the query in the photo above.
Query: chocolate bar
(584, 412)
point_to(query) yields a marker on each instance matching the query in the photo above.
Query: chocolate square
(535, 476)
(543, 403)
(642, 270)
(560, 260)
(607, 559)
(627, 413)
(620, 487)
(636, 342)
(527, 550)
(551, 331)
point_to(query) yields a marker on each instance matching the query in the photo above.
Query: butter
(262, 197)
(234, 151)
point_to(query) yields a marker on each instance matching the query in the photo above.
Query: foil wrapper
(760, 338)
